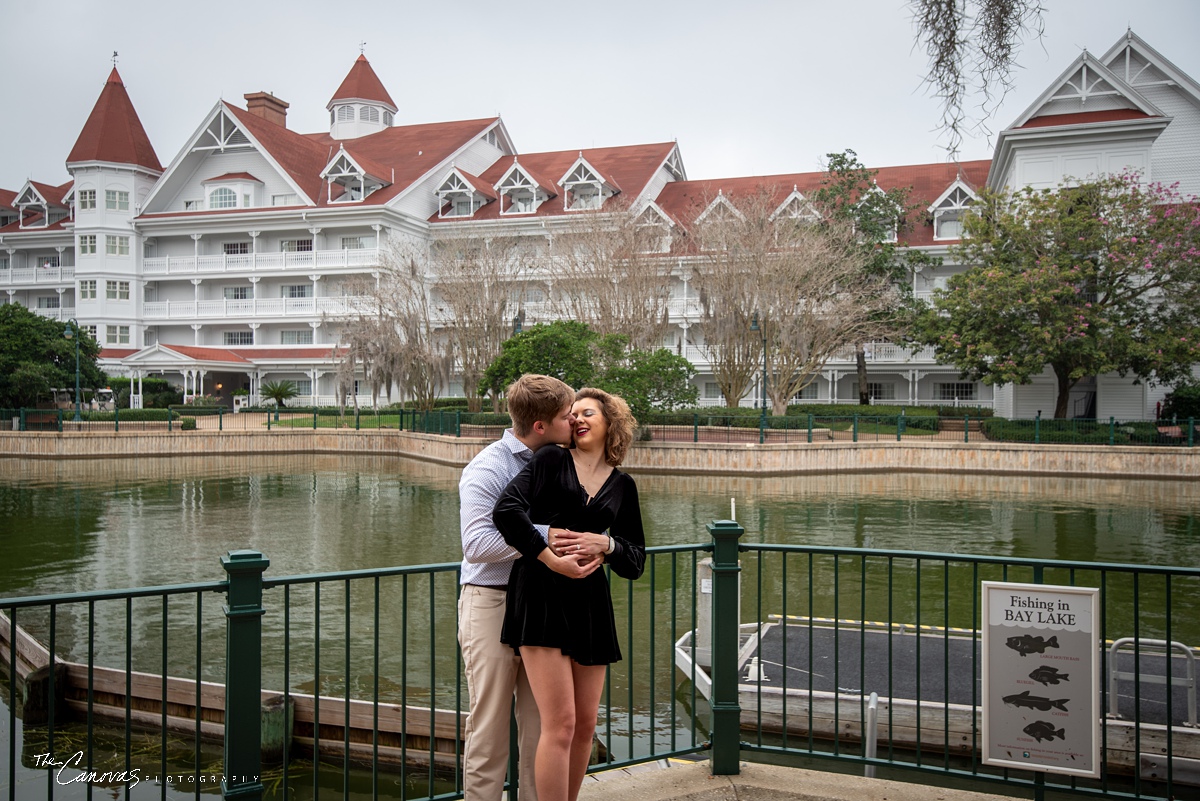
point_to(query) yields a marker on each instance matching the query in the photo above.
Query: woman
(564, 627)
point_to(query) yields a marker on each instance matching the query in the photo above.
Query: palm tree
(278, 391)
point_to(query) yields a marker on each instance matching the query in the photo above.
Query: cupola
(360, 106)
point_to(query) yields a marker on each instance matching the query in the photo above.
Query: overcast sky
(749, 88)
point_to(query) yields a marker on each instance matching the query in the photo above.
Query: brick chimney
(267, 106)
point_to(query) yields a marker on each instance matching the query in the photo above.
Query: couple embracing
(535, 614)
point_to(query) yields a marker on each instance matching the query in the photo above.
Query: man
(540, 408)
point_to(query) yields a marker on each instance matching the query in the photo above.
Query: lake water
(74, 526)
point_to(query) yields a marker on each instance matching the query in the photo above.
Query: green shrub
(187, 424)
(1182, 403)
(131, 415)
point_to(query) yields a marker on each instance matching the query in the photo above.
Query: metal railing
(364, 669)
(678, 427)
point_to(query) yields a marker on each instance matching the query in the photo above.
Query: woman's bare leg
(588, 683)
(553, 683)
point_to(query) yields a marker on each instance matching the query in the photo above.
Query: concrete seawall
(670, 458)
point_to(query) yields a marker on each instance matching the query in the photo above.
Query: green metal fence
(367, 662)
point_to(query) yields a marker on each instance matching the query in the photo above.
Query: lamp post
(762, 331)
(517, 318)
(72, 332)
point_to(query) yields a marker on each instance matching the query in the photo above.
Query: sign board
(1041, 678)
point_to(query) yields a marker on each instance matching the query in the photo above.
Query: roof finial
(362, 48)
(114, 59)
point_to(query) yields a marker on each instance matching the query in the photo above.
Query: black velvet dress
(546, 608)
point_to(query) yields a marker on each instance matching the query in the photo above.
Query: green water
(89, 525)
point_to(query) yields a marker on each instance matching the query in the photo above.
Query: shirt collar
(515, 446)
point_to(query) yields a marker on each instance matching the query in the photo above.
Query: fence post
(900, 425)
(695, 427)
(855, 428)
(269, 420)
(116, 417)
(356, 412)
(966, 428)
(243, 672)
(762, 429)
(171, 417)
(1112, 431)
(1037, 428)
(458, 422)
(726, 712)
(1191, 431)
(60, 421)
(220, 418)
(810, 421)
(314, 418)
(23, 426)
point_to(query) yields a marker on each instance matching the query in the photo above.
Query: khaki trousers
(494, 674)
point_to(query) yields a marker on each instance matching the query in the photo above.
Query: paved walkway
(692, 782)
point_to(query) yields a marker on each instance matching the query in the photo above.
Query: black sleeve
(628, 558)
(511, 514)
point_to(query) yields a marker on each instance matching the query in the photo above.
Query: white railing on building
(261, 262)
(37, 275)
(256, 307)
(62, 313)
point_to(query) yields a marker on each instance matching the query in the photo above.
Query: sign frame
(1019, 620)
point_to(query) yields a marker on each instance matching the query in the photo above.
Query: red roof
(53, 194)
(685, 200)
(251, 354)
(117, 353)
(1084, 117)
(113, 132)
(631, 167)
(482, 187)
(363, 84)
(8, 199)
(231, 176)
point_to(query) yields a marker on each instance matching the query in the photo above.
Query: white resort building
(230, 265)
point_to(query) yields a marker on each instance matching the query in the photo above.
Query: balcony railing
(255, 307)
(261, 262)
(61, 313)
(37, 275)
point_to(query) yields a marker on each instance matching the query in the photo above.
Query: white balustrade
(260, 262)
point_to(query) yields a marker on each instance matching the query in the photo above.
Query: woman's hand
(577, 543)
(573, 566)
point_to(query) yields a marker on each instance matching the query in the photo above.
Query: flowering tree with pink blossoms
(1090, 278)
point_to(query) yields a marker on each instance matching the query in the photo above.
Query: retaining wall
(672, 458)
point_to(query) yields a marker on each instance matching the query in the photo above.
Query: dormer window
(882, 213)
(520, 192)
(229, 191)
(356, 182)
(948, 211)
(461, 195)
(653, 230)
(585, 188)
(222, 198)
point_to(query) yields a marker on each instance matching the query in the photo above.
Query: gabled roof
(631, 167)
(685, 200)
(1085, 118)
(231, 176)
(361, 83)
(360, 162)
(167, 355)
(582, 161)
(296, 153)
(8, 200)
(1119, 59)
(113, 131)
(477, 183)
(1086, 77)
(544, 183)
(204, 354)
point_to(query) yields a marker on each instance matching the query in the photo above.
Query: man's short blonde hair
(535, 397)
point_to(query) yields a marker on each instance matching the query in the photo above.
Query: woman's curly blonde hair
(621, 423)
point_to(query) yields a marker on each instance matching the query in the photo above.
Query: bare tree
(480, 283)
(972, 47)
(801, 279)
(610, 272)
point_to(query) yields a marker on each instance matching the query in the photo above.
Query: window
(3, 262)
(345, 113)
(116, 290)
(387, 118)
(48, 302)
(236, 248)
(87, 290)
(48, 262)
(90, 330)
(116, 334)
(222, 198)
(303, 386)
(877, 391)
(948, 214)
(245, 201)
(239, 337)
(808, 393)
(296, 246)
(116, 245)
(87, 245)
(368, 114)
(115, 200)
(298, 291)
(958, 391)
(86, 199)
(712, 390)
(237, 293)
(352, 243)
(193, 205)
(304, 337)
(285, 200)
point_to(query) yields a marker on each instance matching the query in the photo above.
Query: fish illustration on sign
(1028, 644)
(1036, 702)
(1048, 675)
(1041, 730)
